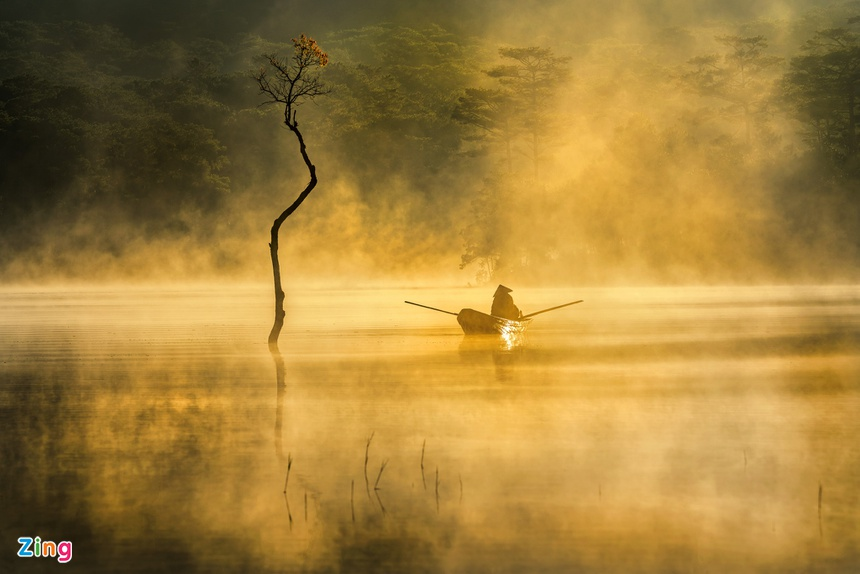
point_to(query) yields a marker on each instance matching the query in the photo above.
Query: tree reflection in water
(281, 388)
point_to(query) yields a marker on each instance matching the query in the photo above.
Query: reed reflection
(405, 521)
(396, 527)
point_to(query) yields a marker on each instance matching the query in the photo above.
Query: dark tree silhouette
(290, 81)
(521, 107)
(740, 77)
(491, 111)
(532, 80)
(519, 111)
(823, 87)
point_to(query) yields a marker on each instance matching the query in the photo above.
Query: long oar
(432, 308)
(550, 309)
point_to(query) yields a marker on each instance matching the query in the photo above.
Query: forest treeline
(724, 152)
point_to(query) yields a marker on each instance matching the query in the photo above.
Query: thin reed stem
(423, 480)
(820, 497)
(366, 459)
(289, 466)
(352, 498)
(289, 512)
(378, 476)
(460, 476)
(437, 490)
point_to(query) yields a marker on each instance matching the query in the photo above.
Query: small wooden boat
(477, 323)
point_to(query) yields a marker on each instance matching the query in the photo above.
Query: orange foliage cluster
(308, 50)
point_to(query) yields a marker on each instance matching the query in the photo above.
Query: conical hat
(502, 289)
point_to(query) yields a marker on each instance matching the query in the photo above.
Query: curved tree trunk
(276, 227)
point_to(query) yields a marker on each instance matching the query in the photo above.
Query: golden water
(644, 430)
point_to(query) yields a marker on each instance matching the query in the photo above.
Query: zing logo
(37, 548)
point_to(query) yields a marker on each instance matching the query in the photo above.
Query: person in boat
(503, 304)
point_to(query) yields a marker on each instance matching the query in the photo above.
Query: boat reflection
(505, 350)
(512, 337)
(508, 341)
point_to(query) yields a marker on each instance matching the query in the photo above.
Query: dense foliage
(679, 155)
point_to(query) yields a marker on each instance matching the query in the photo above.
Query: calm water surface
(644, 430)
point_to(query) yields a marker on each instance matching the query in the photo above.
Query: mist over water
(645, 430)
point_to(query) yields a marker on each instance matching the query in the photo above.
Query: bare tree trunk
(276, 227)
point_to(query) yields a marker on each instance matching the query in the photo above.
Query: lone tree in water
(290, 81)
